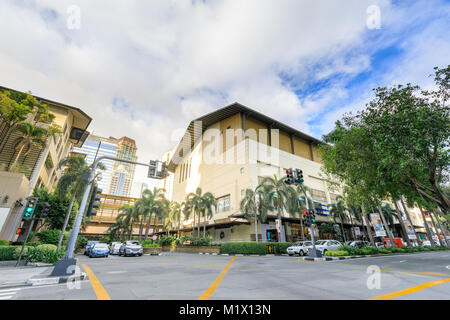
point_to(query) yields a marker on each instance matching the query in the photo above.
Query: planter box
(193, 249)
(152, 250)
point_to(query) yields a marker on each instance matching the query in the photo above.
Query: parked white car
(300, 248)
(328, 245)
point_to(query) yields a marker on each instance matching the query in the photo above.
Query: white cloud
(173, 61)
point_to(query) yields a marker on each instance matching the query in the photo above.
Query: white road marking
(448, 267)
(115, 272)
(6, 294)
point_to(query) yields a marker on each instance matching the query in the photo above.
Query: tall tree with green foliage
(398, 145)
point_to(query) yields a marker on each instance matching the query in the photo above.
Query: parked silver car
(115, 247)
(131, 248)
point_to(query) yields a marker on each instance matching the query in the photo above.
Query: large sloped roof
(223, 113)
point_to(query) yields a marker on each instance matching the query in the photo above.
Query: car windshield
(298, 244)
(307, 243)
(101, 246)
(136, 243)
(117, 245)
(320, 242)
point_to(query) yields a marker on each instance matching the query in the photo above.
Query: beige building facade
(232, 149)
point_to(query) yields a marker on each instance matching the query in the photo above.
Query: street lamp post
(62, 266)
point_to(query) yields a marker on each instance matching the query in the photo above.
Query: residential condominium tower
(39, 167)
(118, 176)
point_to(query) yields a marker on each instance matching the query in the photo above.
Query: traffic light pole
(26, 237)
(312, 253)
(62, 266)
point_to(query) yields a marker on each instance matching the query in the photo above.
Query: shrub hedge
(194, 241)
(254, 247)
(149, 244)
(4, 242)
(339, 253)
(7, 252)
(51, 236)
(355, 251)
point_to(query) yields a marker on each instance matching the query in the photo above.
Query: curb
(244, 255)
(55, 280)
(354, 257)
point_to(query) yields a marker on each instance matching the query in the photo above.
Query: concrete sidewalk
(10, 276)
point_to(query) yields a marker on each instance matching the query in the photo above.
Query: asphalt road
(193, 276)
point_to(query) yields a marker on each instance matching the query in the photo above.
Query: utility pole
(295, 177)
(314, 253)
(63, 265)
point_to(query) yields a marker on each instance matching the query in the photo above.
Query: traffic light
(152, 169)
(30, 207)
(45, 210)
(307, 219)
(95, 202)
(312, 215)
(20, 231)
(290, 177)
(299, 176)
(164, 170)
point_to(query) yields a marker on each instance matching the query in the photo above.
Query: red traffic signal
(20, 231)
(304, 212)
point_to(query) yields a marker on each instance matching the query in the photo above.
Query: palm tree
(196, 205)
(255, 205)
(29, 136)
(338, 210)
(126, 217)
(280, 192)
(208, 202)
(148, 205)
(187, 210)
(175, 215)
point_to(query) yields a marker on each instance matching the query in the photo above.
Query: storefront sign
(378, 225)
(357, 231)
(410, 230)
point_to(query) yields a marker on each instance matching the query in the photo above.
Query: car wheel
(324, 250)
(301, 253)
(140, 254)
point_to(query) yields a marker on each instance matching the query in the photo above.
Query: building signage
(377, 225)
(357, 231)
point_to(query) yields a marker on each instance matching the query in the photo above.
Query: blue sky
(145, 69)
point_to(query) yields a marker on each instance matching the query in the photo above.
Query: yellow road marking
(409, 290)
(207, 294)
(100, 292)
